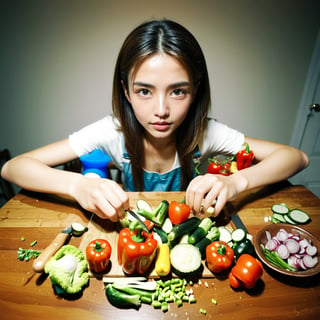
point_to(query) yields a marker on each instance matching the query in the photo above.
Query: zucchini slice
(238, 235)
(185, 259)
(299, 216)
(225, 235)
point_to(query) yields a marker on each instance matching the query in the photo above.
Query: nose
(161, 107)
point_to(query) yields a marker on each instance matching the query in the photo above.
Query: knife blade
(144, 227)
(238, 223)
(51, 249)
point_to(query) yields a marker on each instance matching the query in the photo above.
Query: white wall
(57, 60)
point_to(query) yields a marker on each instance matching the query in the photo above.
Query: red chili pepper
(136, 250)
(219, 256)
(247, 271)
(244, 157)
(98, 254)
(214, 166)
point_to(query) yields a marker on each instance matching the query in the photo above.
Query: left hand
(205, 189)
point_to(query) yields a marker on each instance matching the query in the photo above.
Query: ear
(125, 90)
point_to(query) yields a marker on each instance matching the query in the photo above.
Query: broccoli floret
(68, 269)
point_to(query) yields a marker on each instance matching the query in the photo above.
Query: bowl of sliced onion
(288, 249)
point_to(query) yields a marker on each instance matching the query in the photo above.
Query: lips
(161, 126)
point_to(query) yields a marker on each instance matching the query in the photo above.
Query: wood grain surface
(40, 217)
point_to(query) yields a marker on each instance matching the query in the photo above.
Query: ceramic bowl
(261, 238)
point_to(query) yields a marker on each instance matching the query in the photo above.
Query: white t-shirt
(104, 134)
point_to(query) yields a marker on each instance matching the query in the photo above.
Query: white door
(306, 135)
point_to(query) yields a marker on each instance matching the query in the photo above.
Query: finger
(221, 201)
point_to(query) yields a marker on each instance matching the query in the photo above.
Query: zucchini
(201, 231)
(158, 215)
(185, 259)
(163, 236)
(120, 299)
(299, 216)
(184, 227)
(213, 234)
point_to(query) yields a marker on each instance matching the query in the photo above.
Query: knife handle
(49, 251)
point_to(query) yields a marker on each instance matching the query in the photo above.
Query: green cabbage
(68, 270)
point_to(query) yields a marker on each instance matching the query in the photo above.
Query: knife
(238, 223)
(144, 227)
(51, 249)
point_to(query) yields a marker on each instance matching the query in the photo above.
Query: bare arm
(275, 162)
(34, 171)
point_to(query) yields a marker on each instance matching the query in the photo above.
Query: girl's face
(160, 93)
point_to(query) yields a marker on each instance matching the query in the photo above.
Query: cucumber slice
(225, 235)
(238, 235)
(144, 205)
(279, 217)
(289, 220)
(280, 209)
(299, 216)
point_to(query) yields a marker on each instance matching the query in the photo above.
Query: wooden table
(25, 295)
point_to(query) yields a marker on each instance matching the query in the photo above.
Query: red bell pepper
(219, 256)
(247, 271)
(244, 157)
(136, 250)
(98, 254)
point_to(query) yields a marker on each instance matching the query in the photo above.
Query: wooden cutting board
(104, 229)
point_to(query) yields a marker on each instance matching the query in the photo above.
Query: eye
(178, 92)
(143, 92)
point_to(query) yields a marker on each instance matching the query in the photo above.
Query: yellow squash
(163, 265)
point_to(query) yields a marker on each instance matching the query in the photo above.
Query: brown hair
(173, 39)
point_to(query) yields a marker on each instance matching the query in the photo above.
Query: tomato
(178, 212)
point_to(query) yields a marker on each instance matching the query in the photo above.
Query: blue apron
(154, 181)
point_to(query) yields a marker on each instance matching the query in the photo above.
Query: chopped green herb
(22, 238)
(33, 243)
(27, 254)
(203, 311)
(214, 301)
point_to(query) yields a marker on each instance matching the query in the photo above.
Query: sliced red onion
(282, 235)
(268, 235)
(309, 261)
(271, 245)
(283, 251)
(311, 250)
(294, 262)
(293, 246)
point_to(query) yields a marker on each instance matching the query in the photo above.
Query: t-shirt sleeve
(221, 139)
(102, 134)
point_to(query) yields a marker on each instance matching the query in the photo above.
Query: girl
(158, 131)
